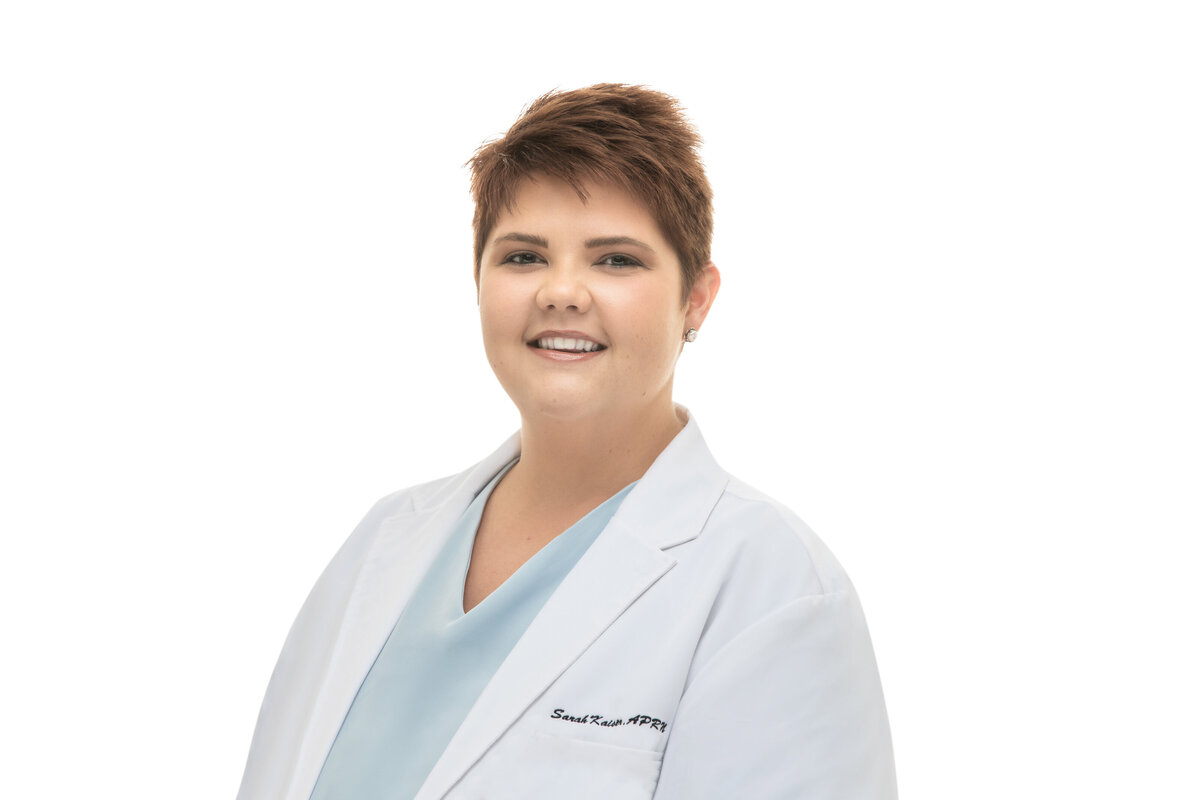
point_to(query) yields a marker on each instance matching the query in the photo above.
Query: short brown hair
(631, 136)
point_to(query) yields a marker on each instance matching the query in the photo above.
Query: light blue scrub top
(437, 661)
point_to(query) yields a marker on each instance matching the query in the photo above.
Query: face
(581, 305)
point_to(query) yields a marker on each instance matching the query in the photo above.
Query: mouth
(566, 344)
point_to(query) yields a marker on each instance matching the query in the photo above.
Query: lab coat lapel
(613, 573)
(406, 546)
(668, 506)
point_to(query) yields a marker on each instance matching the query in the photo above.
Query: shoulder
(752, 561)
(423, 497)
(782, 696)
(718, 528)
(760, 528)
(410, 502)
(428, 498)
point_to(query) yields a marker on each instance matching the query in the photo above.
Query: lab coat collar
(668, 506)
(673, 499)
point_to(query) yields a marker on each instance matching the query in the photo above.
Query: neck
(583, 462)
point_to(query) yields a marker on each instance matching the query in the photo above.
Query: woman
(596, 609)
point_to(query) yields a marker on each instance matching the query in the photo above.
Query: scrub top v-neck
(438, 660)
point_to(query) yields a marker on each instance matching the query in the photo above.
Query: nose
(564, 288)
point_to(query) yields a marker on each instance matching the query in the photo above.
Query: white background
(958, 333)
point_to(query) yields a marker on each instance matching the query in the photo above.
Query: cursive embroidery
(610, 722)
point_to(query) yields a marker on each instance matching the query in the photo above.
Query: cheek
(649, 321)
(499, 309)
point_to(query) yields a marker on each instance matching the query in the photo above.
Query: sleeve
(791, 707)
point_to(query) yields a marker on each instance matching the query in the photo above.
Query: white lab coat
(707, 645)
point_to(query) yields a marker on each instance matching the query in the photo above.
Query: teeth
(569, 345)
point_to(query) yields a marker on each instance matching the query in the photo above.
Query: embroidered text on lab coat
(609, 722)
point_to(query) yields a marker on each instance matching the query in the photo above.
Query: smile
(566, 345)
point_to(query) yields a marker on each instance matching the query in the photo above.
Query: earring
(691, 334)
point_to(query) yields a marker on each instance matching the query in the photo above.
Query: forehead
(543, 204)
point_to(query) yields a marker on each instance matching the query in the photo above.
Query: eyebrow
(614, 241)
(526, 238)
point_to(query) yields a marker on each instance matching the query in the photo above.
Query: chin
(561, 410)
(559, 405)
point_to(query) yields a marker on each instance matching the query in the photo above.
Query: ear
(700, 298)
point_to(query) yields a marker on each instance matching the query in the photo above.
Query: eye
(522, 258)
(620, 260)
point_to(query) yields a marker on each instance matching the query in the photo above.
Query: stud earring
(691, 335)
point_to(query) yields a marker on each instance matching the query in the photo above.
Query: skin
(589, 425)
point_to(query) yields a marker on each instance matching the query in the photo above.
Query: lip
(558, 355)
(565, 335)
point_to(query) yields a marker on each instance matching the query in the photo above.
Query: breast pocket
(534, 766)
